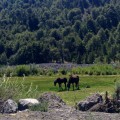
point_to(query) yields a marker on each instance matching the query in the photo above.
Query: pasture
(97, 84)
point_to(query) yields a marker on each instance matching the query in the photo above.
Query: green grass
(97, 84)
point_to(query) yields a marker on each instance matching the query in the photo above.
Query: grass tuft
(43, 107)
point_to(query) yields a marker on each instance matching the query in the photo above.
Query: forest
(45, 31)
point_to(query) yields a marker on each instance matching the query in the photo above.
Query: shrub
(98, 73)
(22, 70)
(15, 89)
(91, 73)
(63, 71)
(33, 69)
(43, 107)
(116, 94)
(9, 71)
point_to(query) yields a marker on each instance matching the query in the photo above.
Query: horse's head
(56, 81)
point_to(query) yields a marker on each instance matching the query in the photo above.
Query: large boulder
(26, 103)
(9, 106)
(90, 102)
(113, 106)
(99, 107)
(53, 100)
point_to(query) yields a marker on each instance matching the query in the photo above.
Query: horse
(60, 81)
(73, 80)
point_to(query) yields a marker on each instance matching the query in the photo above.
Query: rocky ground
(60, 114)
(58, 110)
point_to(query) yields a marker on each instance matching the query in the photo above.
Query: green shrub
(9, 71)
(43, 107)
(97, 73)
(22, 70)
(114, 72)
(86, 72)
(63, 71)
(15, 89)
(33, 69)
(91, 73)
(116, 94)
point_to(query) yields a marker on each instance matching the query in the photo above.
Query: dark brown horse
(60, 81)
(73, 80)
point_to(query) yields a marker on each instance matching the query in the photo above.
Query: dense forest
(43, 31)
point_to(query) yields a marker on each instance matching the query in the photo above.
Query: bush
(43, 107)
(15, 89)
(33, 69)
(9, 71)
(91, 73)
(116, 94)
(22, 70)
(63, 71)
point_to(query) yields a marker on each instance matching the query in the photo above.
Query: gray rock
(53, 100)
(89, 102)
(97, 98)
(26, 103)
(1, 105)
(118, 102)
(9, 106)
(100, 107)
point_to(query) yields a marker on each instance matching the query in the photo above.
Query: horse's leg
(78, 86)
(65, 86)
(59, 86)
(73, 86)
(68, 86)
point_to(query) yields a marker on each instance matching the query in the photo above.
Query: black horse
(60, 81)
(73, 80)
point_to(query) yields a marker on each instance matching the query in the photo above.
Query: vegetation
(21, 87)
(116, 94)
(14, 89)
(43, 107)
(59, 69)
(45, 84)
(41, 31)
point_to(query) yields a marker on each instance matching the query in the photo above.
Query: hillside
(42, 31)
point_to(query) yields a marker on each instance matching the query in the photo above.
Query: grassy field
(98, 84)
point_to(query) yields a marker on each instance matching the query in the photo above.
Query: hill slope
(81, 31)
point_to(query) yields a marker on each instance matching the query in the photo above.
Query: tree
(3, 59)
(91, 26)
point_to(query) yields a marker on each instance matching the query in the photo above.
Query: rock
(97, 98)
(85, 105)
(53, 100)
(118, 103)
(1, 105)
(26, 103)
(9, 106)
(100, 107)
(89, 102)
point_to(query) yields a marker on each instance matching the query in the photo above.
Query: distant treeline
(43, 31)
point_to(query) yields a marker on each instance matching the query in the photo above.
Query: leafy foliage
(43, 107)
(14, 89)
(41, 31)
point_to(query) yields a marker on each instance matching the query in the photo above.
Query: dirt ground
(60, 114)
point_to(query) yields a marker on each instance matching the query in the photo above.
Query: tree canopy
(41, 31)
